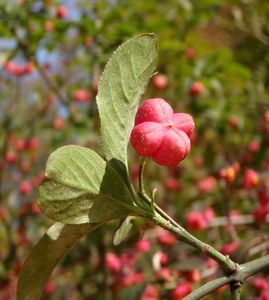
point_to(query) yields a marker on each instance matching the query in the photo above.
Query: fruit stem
(162, 219)
(142, 165)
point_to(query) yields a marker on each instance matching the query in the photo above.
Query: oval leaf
(82, 188)
(121, 86)
(73, 206)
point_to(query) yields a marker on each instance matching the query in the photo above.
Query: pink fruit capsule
(161, 134)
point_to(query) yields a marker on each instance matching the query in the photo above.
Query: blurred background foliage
(213, 64)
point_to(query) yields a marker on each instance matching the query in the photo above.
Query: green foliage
(83, 188)
(73, 206)
(121, 86)
(46, 255)
(80, 187)
(230, 57)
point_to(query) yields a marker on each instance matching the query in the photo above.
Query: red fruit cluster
(161, 134)
(18, 70)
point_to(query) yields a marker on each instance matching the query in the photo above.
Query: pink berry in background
(61, 12)
(251, 179)
(160, 81)
(150, 293)
(143, 245)
(207, 185)
(182, 290)
(209, 214)
(82, 96)
(32, 143)
(264, 295)
(28, 68)
(230, 248)
(8, 66)
(20, 144)
(172, 184)
(236, 166)
(11, 157)
(260, 283)
(163, 258)
(11, 68)
(164, 274)
(25, 188)
(254, 146)
(133, 278)
(192, 275)
(196, 89)
(211, 263)
(113, 262)
(166, 239)
(35, 210)
(49, 288)
(196, 221)
(38, 179)
(161, 134)
(260, 214)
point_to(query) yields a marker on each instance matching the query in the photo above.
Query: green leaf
(121, 86)
(46, 254)
(82, 188)
(123, 230)
(73, 206)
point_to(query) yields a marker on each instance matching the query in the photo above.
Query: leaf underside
(121, 86)
(82, 188)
